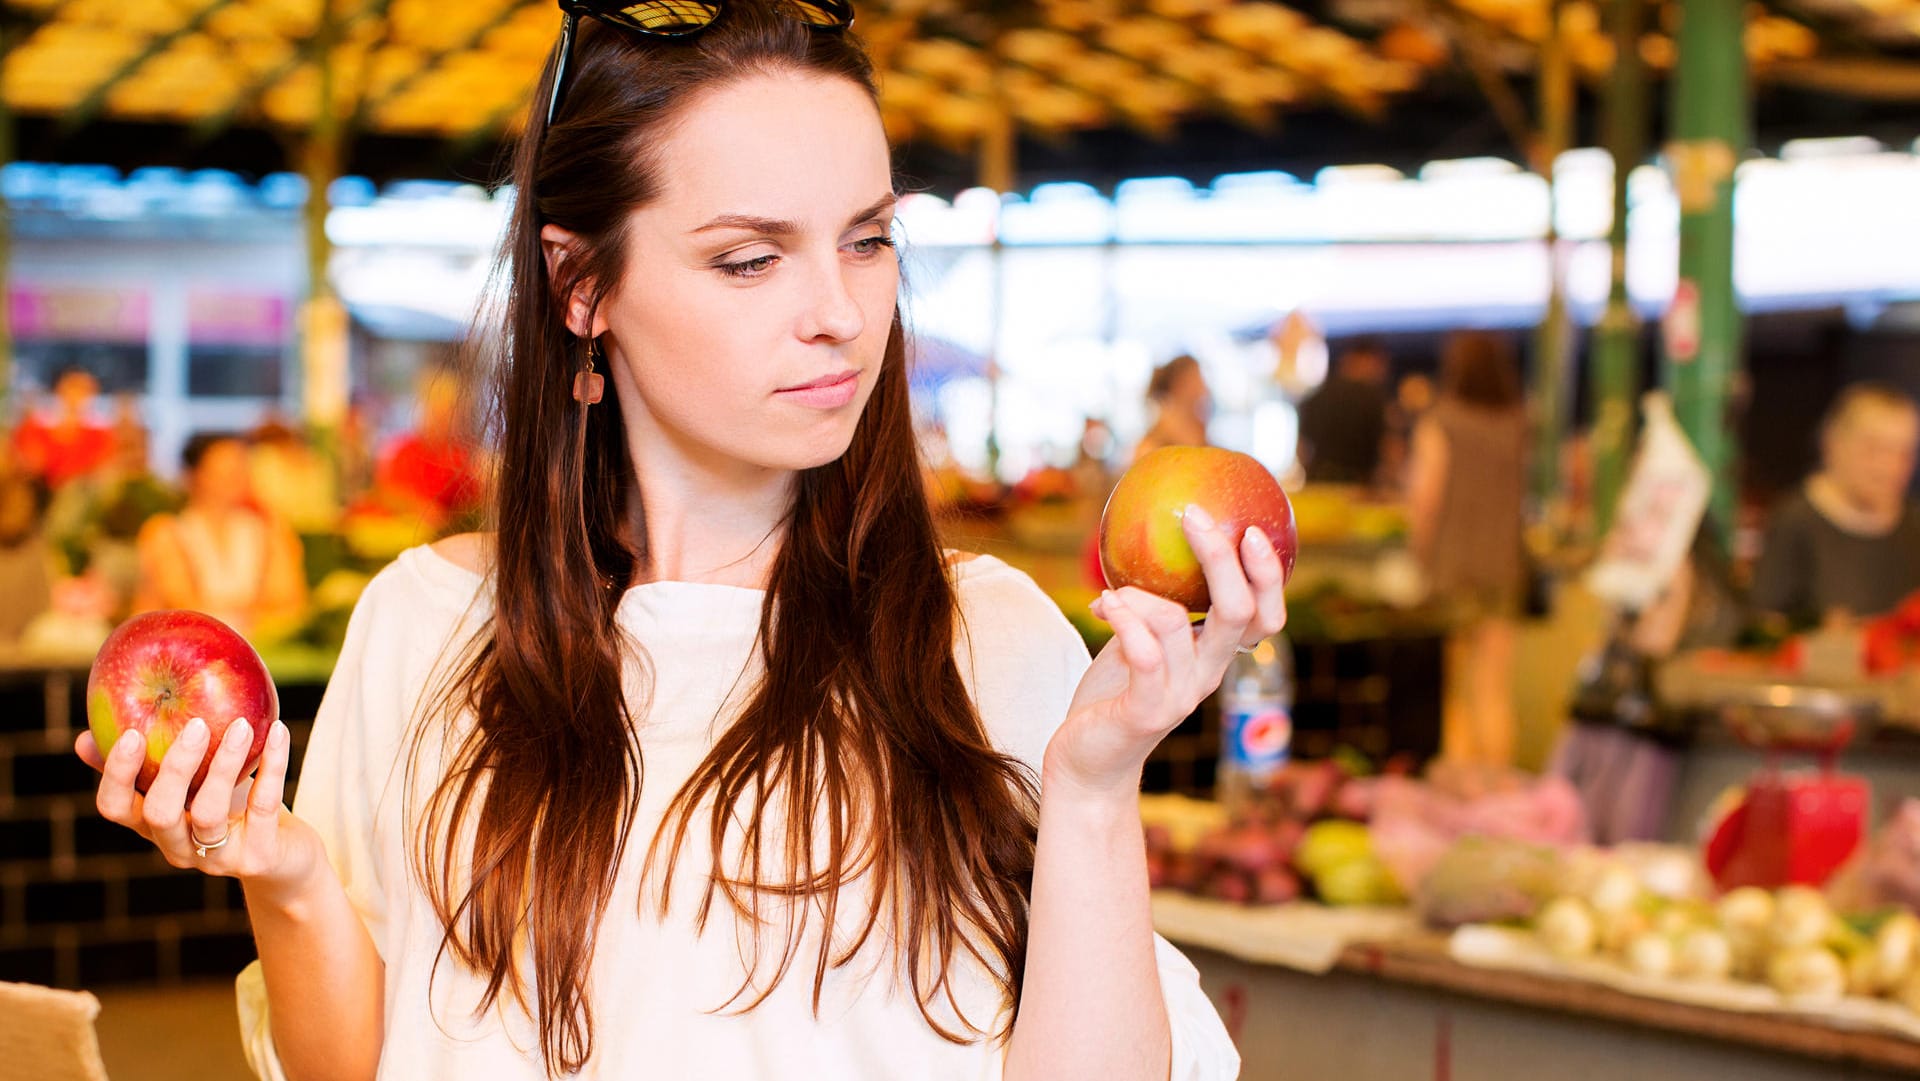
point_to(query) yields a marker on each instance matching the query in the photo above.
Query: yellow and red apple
(160, 670)
(1142, 542)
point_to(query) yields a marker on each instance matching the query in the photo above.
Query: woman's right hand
(265, 845)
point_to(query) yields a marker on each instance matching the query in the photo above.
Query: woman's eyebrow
(783, 227)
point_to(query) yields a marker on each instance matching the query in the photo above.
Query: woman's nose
(832, 312)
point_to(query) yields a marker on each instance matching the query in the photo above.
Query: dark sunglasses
(674, 19)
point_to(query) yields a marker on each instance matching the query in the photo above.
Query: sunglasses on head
(674, 19)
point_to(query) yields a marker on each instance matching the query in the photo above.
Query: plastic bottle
(1256, 721)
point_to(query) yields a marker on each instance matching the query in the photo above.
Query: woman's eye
(748, 268)
(872, 244)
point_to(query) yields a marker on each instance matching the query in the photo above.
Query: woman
(1466, 478)
(715, 582)
(1181, 404)
(221, 554)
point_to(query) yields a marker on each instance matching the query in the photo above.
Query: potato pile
(1790, 939)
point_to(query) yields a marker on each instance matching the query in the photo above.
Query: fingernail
(196, 731)
(238, 732)
(1201, 519)
(128, 744)
(278, 734)
(1259, 538)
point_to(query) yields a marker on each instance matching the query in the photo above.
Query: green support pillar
(1710, 130)
(323, 345)
(998, 149)
(1553, 342)
(1615, 372)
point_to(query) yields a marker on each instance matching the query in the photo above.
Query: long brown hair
(861, 726)
(1477, 368)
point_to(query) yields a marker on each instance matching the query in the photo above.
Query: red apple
(1141, 542)
(159, 670)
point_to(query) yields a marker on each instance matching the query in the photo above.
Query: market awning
(459, 73)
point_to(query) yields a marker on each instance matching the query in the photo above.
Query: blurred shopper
(26, 570)
(433, 469)
(1093, 459)
(1412, 398)
(68, 441)
(1466, 483)
(1849, 539)
(1182, 405)
(292, 481)
(1344, 423)
(221, 554)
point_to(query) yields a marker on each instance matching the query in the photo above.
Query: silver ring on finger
(201, 848)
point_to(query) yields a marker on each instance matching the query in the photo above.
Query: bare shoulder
(469, 551)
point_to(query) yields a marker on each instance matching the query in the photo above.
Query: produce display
(1790, 939)
(1892, 642)
(1337, 514)
(1844, 650)
(1306, 835)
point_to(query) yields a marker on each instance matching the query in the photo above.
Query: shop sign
(238, 319)
(80, 314)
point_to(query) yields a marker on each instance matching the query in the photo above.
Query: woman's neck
(712, 526)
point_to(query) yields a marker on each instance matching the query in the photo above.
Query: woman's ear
(557, 245)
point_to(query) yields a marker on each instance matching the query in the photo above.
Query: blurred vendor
(433, 469)
(1849, 539)
(67, 442)
(1343, 425)
(221, 554)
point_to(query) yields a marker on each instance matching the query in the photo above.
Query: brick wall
(84, 902)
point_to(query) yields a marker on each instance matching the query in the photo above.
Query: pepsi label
(1258, 734)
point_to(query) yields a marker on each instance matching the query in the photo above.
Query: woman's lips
(828, 392)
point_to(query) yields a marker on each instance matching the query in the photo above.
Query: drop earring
(589, 386)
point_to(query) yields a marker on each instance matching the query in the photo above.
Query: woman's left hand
(1159, 666)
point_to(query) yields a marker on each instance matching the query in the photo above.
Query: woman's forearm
(1090, 1005)
(324, 979)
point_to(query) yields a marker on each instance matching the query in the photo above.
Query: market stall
(1386, 926)
(1515, 957)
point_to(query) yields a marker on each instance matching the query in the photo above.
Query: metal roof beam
(1871, 78)
(16, 27)
(210, 126)
(433, 62)
(96, 100)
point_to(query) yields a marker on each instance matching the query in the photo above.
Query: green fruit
(1363, 881)
(1332, 842)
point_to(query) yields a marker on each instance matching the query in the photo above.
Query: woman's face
(751, 318)
(220, 480)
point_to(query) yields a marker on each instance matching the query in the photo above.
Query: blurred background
(1584, 334)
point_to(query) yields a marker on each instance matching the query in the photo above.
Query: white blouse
(657, 984)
